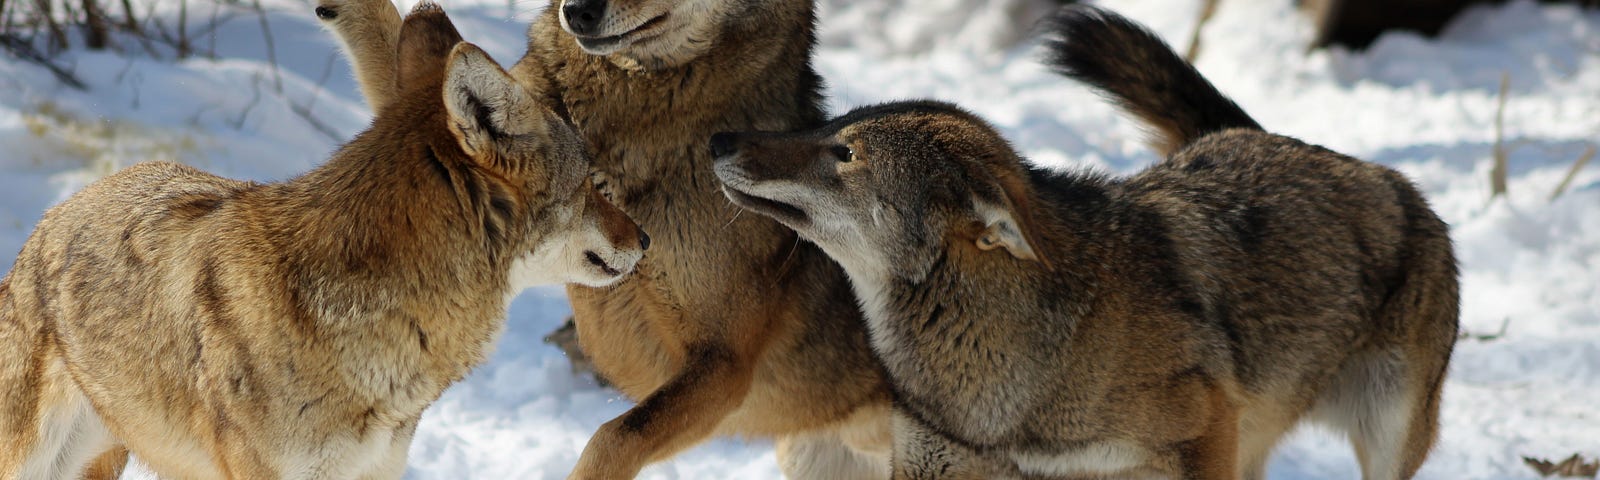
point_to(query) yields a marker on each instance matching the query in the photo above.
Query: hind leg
(1388, 404)
(1397, 448)
(59, 436)
(823, 455)
(921, 453)
(857, 448)
(1262, 425)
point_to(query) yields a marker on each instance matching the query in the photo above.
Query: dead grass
(100, 147)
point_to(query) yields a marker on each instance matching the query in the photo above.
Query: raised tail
(1131, 65)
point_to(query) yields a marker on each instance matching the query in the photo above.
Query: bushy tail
(1138, 71)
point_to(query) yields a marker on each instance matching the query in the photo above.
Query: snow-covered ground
(1424, 106)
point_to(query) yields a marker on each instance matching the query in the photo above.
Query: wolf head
(886, 190)
(651, 32)
(518, 169)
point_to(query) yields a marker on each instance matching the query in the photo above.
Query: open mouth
(595, 260)
(606, 43)
(783, 212)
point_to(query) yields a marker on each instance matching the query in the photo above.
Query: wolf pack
(894, 292)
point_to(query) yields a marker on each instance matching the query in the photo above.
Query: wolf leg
(109, 465)
(824, 455)
(675, 417)
(920, 453)
(1214, 455)
(369, 30)
(1388, 409)
(393, 465)
(60, 437)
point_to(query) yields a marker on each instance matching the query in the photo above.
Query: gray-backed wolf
(732, 325)
(1176, 322)
(227, 329)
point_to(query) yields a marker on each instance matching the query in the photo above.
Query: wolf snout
(583, 16)
(724, 144)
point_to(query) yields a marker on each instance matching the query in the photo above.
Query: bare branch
(1207, 9)
(255, 98)
(305, 113)
(95, 30)
(47, 14)
(130, 21)
(272, 50)
(23, 49)
(327, 70)
(183, 29)
(1583, 160)
(1497, 174)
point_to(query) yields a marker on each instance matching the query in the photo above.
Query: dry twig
(1583, 160)
(1207, 9)
(1497, 174)
(1573, 467)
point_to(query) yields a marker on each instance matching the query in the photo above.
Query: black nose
(644, 240)
(583, 16)
(724, 144)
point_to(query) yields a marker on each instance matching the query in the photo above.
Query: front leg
(109, 465)
(393, 465)
(369, 30)
(1215, 454)
(682, 413)
(922, 453)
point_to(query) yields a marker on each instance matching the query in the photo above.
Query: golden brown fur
(1174, 323)
(733, 325)
(227, 329)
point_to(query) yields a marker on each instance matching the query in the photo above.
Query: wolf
(732, 325)
(1173, 323)
(226, 329)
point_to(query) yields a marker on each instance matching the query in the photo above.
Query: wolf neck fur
(712, 92)
(371, 239)
(967, 298)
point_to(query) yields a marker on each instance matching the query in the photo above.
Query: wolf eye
(843, 154)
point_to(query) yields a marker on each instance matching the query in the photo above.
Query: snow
(1423, 106)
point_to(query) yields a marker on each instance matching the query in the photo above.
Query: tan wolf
(732, 326)
(227, 329)
(1174, 323)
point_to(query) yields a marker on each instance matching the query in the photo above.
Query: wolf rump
(724, 327)
(227, 329)
(1176, 322)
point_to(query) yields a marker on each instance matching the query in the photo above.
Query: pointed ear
(1010, 224)
(485, 105)
(426, 38)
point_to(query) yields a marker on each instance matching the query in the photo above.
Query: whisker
(736, 213)
(785, 264)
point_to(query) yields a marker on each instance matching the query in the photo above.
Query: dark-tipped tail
(1138, 71)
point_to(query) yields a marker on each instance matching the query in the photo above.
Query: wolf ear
(1009, 224)
(486, 105)
(426, 38)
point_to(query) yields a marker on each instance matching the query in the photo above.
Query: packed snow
(1528, 383)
